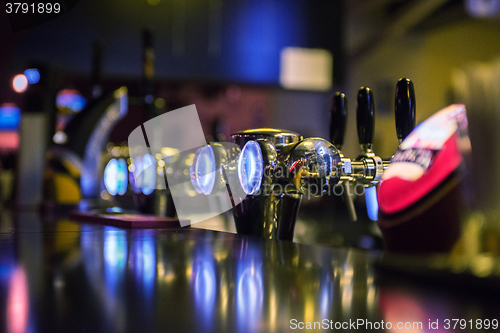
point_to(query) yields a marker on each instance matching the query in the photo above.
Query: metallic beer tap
(270, 208)
(367, 168)
(371, 164)
(274, 168)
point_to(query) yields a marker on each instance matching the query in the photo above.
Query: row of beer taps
(367, 168)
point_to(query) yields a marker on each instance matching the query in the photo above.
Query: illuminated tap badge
(421, 157)
(202, 178)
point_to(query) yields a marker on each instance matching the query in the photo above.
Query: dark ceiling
(211, 40)
(193, 39)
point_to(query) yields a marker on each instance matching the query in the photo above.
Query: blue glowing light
(114, 210)
(33, 75)
(110, 177)
(148, 174)
(259, 29)
(92, 255)
(10, 116)
(122, 176)
(149, 262)
(116, 177)
(71, 99)
(205, 170)
(192, 170)
(372, 202)
(115, 255)
(8, 262)
(249, 290)
(205, 284)
(145, 262)
(327, 293)
(251, 168)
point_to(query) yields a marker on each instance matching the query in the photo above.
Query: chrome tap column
(275, 168)
(267, 171)
(263, 212)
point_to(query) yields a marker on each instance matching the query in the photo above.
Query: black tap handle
(338, 119)
(404, 108)
(365, 116)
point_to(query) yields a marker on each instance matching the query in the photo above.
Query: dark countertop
(63, 276)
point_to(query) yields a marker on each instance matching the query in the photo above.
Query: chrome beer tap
(367, 168)
(370, 165)
(274, 168)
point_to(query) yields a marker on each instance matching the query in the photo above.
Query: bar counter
(64, 276)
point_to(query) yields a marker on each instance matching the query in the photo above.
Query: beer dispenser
(276, 168)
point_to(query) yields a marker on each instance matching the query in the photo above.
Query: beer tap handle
(365, 118)
(338, 119)
(365, 114)
(404, 108)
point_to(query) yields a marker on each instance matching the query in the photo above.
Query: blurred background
(253, 63)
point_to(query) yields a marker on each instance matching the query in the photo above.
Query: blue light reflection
(205, 286)
(372, 202)
(327, 293)
(250, 290)
(148, 174)
(115, 256)
(145, 262)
